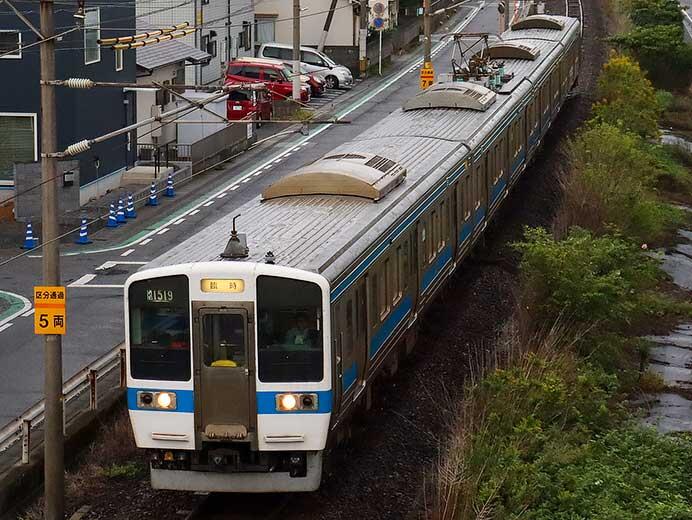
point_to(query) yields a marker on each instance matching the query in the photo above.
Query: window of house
(118, 59)
(18, 138)
(163, 96)
(246, 36)
(92, 32)
(265, 29)
(11, 45)
(208, 45)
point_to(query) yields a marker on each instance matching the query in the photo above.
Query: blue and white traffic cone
(120, 215)
(83, 234)
(153, 200)
(130, 211)
(170, 191)
(112, 218)
(29, 240)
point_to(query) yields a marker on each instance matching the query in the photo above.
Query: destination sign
(220, 285)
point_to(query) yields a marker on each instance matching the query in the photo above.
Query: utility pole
(296, 50)
(363, 39)
(54, 463)
(427, 43)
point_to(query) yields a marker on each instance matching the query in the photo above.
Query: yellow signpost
(50, 316)
(427, 75)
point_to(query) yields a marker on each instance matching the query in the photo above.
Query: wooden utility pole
(296, 50)
(53, 426)
(427, 42)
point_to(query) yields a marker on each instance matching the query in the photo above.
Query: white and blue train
(246, 363)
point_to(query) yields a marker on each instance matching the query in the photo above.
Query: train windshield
(289, 327)
(160, 329)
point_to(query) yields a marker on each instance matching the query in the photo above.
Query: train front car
(229, 386)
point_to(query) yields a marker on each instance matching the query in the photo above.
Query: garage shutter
(17, 138)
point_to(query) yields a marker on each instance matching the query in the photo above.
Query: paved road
(95, 276)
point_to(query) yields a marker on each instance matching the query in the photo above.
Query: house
(224, 31)
(80, 114)
(164, 63)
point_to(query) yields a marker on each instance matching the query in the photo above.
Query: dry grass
(580, 206)
(452, 493)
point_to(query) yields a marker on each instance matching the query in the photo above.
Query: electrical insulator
(79, 83)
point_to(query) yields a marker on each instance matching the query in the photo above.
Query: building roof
(157, 55)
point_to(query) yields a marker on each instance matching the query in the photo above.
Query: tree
(655, 12)
(627, 99)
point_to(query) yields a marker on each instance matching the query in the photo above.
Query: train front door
(224, 372)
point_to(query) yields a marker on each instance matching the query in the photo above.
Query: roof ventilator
(538, 21)
(511, 50)
(359, 175)
(237, 245)
(456, 94)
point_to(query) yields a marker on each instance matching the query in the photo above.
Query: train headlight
(157, 400)
(295, 402)
(287, 402)
(165, 400)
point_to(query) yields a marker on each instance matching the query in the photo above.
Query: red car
(249, 104)
(271, 74)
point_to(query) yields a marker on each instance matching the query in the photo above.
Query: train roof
(328, 233)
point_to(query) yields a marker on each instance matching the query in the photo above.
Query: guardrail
(86, 380)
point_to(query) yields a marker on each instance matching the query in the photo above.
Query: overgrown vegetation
(545, 432)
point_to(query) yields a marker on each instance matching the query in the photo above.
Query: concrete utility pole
(54, 469)
(296, 50)
(363, 39)
(427, 43)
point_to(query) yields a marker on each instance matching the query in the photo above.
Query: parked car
(272, 74)
(316, 63)
(317, 86)
(249, 104)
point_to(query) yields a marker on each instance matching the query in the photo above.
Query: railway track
(224, 506)
(575, 9)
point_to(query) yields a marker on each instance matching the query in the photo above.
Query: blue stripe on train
(390, 324)
(185, 400)
(434, 270)
(497, 190)
(349, 376)
(266, 402)
(465, 232)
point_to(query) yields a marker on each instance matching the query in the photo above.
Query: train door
(224, 371)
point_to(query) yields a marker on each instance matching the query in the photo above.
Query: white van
(315, 62)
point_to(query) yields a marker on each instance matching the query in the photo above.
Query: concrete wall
(343, 30)
(28, 203)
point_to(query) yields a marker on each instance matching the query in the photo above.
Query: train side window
(384, 291)
(468, 197)
(375, 295)
(434, 233)
(476, 186)
(443, 225)
(348, 343)
(399, 274)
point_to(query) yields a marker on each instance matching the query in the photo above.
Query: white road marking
(288, 153)
(79, 282)
(145, 242)
(245, 180)
(128, 252)
(267, 167)
(164, 230)
(222, 195)
(256, 174)
(207, 204)
(27, 314)
(193, 212)
(233, 188)
(113, 263)
(5, 326)
(178, 222)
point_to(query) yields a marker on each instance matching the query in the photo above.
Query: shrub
(626, 98)
(585, 279)
(610, 183)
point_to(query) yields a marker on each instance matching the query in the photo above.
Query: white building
(225, 31)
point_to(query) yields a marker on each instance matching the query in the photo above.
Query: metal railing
(86, 380)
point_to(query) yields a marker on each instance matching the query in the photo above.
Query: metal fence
(163, 155)
(81, 393)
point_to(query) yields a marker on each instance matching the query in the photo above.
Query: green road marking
(17, 305)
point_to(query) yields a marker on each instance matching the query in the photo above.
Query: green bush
(613, 176)
(626, 98)
(584, 279)
(654, 12)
